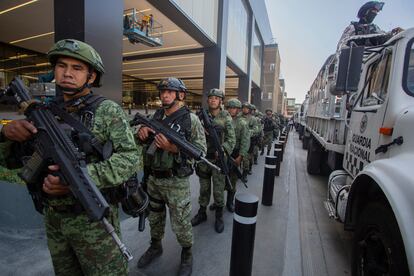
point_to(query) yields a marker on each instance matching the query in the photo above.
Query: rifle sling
(78, 126)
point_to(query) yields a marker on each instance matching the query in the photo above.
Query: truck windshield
(408, 80)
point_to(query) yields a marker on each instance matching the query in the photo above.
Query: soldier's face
(214, 102)
(269, 114)
(167, 97)
(233, 111)
(245, 110)
(72, 73)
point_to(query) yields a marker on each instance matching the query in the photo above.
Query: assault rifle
(185, 147)
(53, 146)
(233, 167)
(214, 138)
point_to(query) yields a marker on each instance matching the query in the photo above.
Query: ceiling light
(161, 49)
(161, 59)
(17, 57)
(27, 66)
(31, 37)
(171, 73)
(16, 7)
(162, 67)
(181, 77)
(29, 77)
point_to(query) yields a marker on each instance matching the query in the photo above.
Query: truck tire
(305, 142)
(325, 170)
(300, 132)
(378, 248)
(313, 160)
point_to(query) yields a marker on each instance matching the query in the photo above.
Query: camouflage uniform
(173, 192)
(269, 127)
(6, 174)
(254, 129)
(168, 177)
(242, 144)
(78, 246)
(206, 173)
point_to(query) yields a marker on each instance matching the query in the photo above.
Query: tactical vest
(364, 29)
(81, 119)
(268, 124)
(179, 121)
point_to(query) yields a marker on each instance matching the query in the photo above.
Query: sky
(307, 32)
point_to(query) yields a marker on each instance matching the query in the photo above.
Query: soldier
(269, 127)
(223, 123)
(78, 246)
(240, 151)
(254, 130)
(169, 171)
(259, 138)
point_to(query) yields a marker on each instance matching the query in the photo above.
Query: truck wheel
(378, 248)
(305, 142)
(325, 170)
(313, 160)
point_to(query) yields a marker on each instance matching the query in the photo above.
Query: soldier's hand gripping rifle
(233, 167)
(53, 146)
(185, 147)
(214, 138)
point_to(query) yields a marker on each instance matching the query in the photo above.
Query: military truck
(302, 117)
(361, 117)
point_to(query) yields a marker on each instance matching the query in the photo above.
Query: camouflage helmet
(79, 50)
(216, 92)
(247, 104)
(268, 110)
(234, 103)
(172, 84)
(253, 107)
(369, 6)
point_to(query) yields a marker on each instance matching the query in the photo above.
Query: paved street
(293, 237)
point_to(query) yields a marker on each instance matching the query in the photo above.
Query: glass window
(408, 80)
(257, 58)
(237, 31)
(204, 13)
(376, 87)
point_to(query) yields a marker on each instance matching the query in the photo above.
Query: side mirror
(349, 70)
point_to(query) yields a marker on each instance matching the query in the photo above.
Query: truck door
(368, 113)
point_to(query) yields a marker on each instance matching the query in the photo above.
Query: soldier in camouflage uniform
(364, 26)
(257, 145)
(254, 129)
(269, 127)
(169, 171)
(223, 124)
(240, 151)
(78, 246)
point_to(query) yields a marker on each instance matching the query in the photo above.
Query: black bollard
(278, 153)
(244, 229)
(279, 145)
(269, 180)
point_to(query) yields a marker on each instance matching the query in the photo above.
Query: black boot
(261, 153)
(154, 251)
(219, 224)
(268, 151)
(186, 265)
(250, 169)
(200, 217)
(255, 160)
(229, 202)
